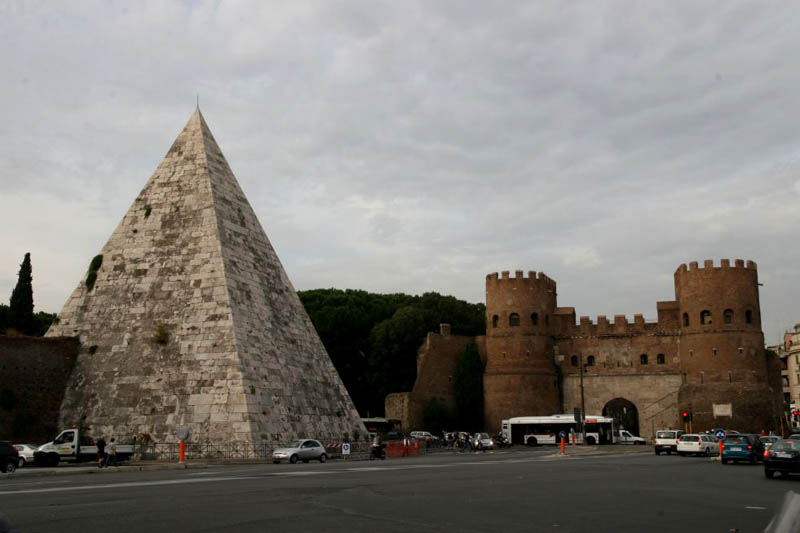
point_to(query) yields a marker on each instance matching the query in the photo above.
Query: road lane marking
(126, 485)
(755, 508)
(260, 475)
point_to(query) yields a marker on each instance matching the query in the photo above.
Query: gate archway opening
(624, 413)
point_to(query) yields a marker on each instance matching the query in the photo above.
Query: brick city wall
(33, 377)
(437, 360)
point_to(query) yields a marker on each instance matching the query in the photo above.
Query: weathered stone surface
(195, 321)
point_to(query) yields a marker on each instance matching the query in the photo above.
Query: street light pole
(583, 405)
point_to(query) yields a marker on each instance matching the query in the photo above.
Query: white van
(667, 440)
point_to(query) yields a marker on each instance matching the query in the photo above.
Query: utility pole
(583, 405)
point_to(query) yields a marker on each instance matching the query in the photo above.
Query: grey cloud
(418, 146)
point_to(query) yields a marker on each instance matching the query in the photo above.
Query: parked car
(9, 457)
(742, 447)
(783, 457)
(696, 444)
(426, 436)
(300, 450)
(768, 440)
(25, 453)
(667, 440)
(482, 441)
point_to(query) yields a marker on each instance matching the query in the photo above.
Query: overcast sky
(413, 147)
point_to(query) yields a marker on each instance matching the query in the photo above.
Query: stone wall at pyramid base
(34, 374)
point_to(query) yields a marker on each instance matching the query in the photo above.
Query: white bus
(533, 430)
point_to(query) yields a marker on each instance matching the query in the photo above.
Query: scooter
(377, 451)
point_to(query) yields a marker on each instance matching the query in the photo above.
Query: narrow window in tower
(748, 316)
(643, 359)
(535, 319)
(730, 377)
(660, 359)
(705, 317)
(685, 319)
(495, 320)
(714, 351)
(513, 319)
(727, 317)
(702, 375)
(590, 361)
(573, 360)
(546, 320)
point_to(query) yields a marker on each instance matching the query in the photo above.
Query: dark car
(742, 447)
(9, 457)
(783, 457)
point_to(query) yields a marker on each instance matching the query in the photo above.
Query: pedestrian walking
(112, 453)
(101, 451)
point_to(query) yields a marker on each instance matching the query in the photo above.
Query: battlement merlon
(723, 264)
(533, 278)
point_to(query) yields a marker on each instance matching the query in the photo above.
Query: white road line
(755, 508)
(125, 485)
(260, 475)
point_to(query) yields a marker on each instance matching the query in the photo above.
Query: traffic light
(686, 414)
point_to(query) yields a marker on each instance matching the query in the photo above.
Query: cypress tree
(21, 305)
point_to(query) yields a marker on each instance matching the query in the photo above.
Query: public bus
(533, 430)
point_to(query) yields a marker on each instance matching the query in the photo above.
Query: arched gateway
(624, 413)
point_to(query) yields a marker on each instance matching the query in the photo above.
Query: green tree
(364, 335)
(393, 353)
(21, 304)
(468, 384)
(436, 417)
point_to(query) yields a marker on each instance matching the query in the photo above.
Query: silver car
(482, 441)
(300, 450)
(25, 454)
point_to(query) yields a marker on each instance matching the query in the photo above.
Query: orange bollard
(182, 452)
(721, 446)
(563, 445)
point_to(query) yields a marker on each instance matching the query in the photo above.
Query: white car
(697, 444)
(25, 454)
(423, 435)
(300, 450)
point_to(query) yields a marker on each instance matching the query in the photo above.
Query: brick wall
(33, 377)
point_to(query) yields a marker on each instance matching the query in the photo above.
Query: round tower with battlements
(722, 357)
(520, 377)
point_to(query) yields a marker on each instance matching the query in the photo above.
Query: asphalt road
(522, 490)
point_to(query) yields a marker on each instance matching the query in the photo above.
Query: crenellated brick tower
(520, 376)
(722, 356)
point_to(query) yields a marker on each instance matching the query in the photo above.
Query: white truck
(626, 437)
(73, 445)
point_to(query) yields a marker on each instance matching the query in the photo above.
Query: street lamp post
(583, 404)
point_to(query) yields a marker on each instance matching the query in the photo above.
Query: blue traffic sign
(563, 435)
(720, 434)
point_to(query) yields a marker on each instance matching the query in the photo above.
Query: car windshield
(294, 444)
(737, 439)
(484, 435)
(665, 435)
(786, 445)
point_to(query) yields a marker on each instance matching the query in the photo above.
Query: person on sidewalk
(101, 451)
(112, 453)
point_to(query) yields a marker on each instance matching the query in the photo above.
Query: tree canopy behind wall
(373, 338)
